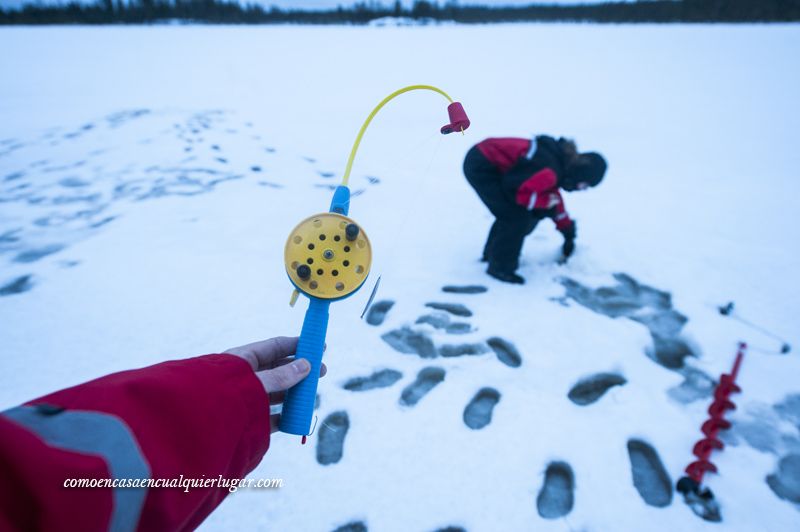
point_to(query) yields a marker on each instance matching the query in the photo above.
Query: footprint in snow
(506, 352)
(769, 429)
(591, 388)
(457, 309)
(437, 320)
(557, 496)
(696, 385)
(10, 236)
(653, 309)
(466, 289)
(478, 412)
(458, 327)
(73, 182)
(409, 341)
(330, 443)
(457, 350)
(377, 312)
(14, 176)
(380, 379)
(17, 286)
(32, 255)
(68, 263)
(104, 221)
(427, 379)
(649, 475)
(785, 482)
(353, 526)
(441, 320)
(643, 304)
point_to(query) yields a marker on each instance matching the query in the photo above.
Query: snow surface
(144, 243)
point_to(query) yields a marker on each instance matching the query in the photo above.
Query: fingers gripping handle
(298, 406)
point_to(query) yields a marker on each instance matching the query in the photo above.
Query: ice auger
(697, 496)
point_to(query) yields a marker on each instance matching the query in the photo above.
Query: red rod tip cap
(458, 119)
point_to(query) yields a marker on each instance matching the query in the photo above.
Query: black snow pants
(513, 222)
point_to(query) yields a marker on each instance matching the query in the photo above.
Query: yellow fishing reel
(328, 256)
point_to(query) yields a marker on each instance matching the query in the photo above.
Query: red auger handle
(738, 362)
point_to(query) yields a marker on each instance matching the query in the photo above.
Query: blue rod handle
(298, 406)
(341, 200)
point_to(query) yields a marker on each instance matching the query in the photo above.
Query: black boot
(506, 277)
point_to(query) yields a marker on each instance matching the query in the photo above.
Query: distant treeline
(225, 12)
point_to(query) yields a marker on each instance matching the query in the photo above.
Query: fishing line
(729, 310)
(405, 218)
(423, 186)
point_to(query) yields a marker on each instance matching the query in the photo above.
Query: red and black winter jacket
(201, 418)
(530, 172)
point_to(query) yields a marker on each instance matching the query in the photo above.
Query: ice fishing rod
(328, 258)
(729, 310)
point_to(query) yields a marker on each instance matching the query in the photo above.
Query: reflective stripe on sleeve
(532, 149)
(94, 433)
(532, 201)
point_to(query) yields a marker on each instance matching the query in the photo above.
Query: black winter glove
(568, 248)
(569, 240)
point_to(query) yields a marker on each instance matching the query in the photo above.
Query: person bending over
(519, 180)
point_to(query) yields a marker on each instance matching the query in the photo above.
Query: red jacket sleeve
(561, 218)
(539, 182)
(552, 204)
(199, 418)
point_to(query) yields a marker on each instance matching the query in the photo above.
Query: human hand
(276, 367)
(568, 248)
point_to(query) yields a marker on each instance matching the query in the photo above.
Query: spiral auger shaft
(691, 485)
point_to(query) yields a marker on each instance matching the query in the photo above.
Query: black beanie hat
(589, 168)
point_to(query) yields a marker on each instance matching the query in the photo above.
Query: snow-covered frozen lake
(149, 177)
